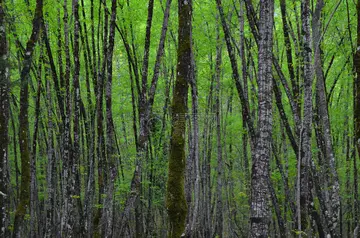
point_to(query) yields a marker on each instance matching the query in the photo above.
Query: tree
(4, 119)
(305, 134)
(24, 121)
(357, 118)
(175, 194)
(260, 213)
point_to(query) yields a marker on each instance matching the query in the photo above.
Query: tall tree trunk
(67, 223)
(4, 119)
(195, 152)
(175, 194)
(50, 228)
(305, 134)
(75, 186)
(289, 57)
(260, 212)
(108, 215)
(323, 113)
(144, 120)
(219, 200)
(101, 150)
(34, 218)
(235, 74)
(245, 83)
(24, 202)
(146, 100)
(357, 118)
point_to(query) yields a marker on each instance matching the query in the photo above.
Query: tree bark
(323, 113)
(50, 227)
(260, 212)
(24, 202)
(75, 186)
(305, 134)
(357, 118)
(67, 223)
(108, 216)
(4, 126)
(219, 199)
(175, 194)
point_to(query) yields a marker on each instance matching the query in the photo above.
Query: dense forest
(188, 118)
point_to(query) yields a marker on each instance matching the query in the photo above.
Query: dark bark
(260, 213)
(4, 126)
(108, 215)
(67, 224)
(75, 187)
(146, 100)
(322, 109)
(34, 216)
(175, 194)
(24, 121)
(357, 118)
(235, 74)
(219, 185)
(101, 143)
(289, 57)
(50, 226)
(305, 134)
(195, 229)
(54, 73)
(254, 25)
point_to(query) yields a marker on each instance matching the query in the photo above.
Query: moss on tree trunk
(175, 194)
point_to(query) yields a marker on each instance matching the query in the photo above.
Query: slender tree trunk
(260, 212)
(195, 147)
(146, 100)
(24, 202)
(34, 218)
(235, 74)
(219, 199)
(334, 200)
(175, 194)
(305, 134)
(67, 223)
(289, 57)
(4, 126)
(108, 215)
(144, 121)
(75, 186)
(50, 228)
(101, 146)
(206, 167)
(245, 83)
(357, 119)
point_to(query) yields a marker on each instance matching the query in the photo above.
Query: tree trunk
(51, 178)
(175, 194)
(260, 212)
(108, 215)
(4, 119)
(219, 199)
(322, 106)
(357, 117)
(305, 134)
(67, 225)
(75, 186)
(24, 202)
(195, 147)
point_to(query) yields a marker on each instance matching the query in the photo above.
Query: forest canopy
(188, 118)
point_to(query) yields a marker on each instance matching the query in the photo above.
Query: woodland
(188, 118)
